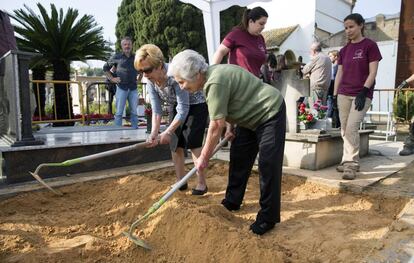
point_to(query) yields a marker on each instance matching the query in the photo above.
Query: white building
(311, 19)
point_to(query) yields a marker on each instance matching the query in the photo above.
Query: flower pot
(320, 125)
(304, 126)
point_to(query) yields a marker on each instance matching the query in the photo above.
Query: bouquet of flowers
(304, 115)
(320, 110)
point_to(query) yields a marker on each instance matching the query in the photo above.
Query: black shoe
(259, 228)
(199, 192)
(183, 187)
(406, 151)
(230, 206)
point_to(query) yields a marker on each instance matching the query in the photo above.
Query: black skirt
(190, 134)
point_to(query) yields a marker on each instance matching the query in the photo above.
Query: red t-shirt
(355, 59)
(246, 50)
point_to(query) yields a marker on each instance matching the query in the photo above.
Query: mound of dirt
(319, 224)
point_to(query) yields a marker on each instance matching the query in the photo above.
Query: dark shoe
(349, 173)
(230, 206)
(406, 151)
(199, 192)
(183, 187)
(259, 228)
(340, 168)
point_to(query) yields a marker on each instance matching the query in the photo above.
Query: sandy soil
(319, 224)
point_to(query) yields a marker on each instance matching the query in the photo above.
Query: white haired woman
(232, 95)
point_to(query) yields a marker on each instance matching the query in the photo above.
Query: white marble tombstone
(292, 88)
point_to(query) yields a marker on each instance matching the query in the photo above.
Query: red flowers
(309, 116)
(148, 110)
(320, 109)
(304, 115)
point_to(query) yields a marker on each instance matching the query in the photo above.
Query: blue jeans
(121, 98)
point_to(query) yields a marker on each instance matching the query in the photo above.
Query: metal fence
(387, 100)
(52, 117)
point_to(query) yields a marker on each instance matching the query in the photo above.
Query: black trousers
(269, 141)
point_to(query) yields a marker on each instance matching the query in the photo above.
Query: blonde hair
(151, 53)
(334, 53)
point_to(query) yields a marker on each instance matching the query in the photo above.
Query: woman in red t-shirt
(354, 84)
(245, 44)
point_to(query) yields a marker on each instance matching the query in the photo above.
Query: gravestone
(315, 149)
(16, 127)
(292, 88)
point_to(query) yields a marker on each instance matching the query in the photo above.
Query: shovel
(162, 200)
(70, 162)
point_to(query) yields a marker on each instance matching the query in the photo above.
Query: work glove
(360, 99)
(403, 85)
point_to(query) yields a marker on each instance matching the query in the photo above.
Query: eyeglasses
(147, 70)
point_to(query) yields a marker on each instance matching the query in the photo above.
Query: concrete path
(382, 161)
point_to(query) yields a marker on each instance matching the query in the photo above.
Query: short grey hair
(187, 64)
(316, 46)
(126, 38)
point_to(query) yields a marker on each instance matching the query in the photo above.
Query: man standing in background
(319, 69)
(126, 82)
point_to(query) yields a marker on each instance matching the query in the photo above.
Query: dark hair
(358, 19)
(271, 60)
(253, 14)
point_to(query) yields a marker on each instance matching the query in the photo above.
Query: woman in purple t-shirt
(245, 44)
(354, 86)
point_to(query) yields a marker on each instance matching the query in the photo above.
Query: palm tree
(60, 38)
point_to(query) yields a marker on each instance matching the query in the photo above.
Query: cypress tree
(169, 24)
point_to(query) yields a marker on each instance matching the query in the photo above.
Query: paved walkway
(382, 161)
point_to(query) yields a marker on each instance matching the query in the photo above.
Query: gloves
(360, 99)
(403, 85)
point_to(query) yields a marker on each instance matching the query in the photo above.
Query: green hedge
(400, 106)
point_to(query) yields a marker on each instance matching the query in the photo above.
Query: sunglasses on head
(147, 70)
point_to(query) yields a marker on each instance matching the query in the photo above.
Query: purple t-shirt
(355, 59)
(246, 50)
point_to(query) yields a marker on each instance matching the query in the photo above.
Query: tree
(125, 26)
(89, 71)
(60, 38)
(169, 24)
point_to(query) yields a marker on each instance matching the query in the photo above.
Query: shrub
(404, 106)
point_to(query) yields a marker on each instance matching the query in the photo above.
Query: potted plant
(319, 110)
(305, 118)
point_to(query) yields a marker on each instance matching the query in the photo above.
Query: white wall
(299, 42)
(290, 13)
(386, 75)
(330, 14)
